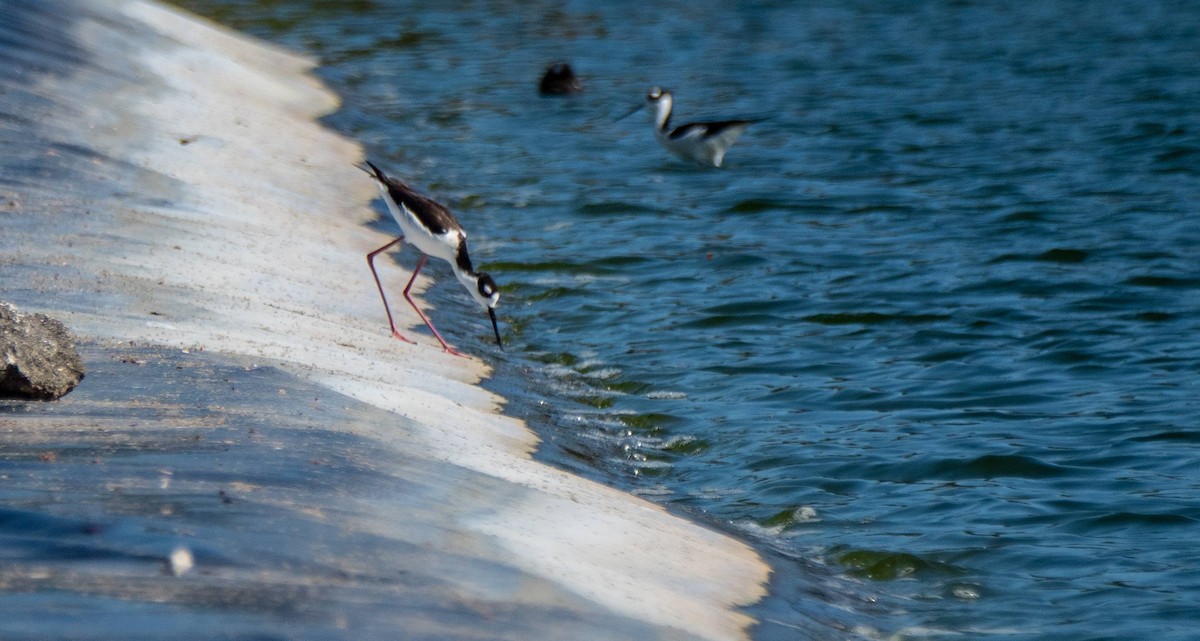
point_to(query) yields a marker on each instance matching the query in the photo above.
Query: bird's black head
(489, 295)
(652, 98)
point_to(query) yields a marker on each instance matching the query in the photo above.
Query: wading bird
(701, 142)
(431, 228)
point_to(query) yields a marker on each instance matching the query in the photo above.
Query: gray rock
(38, 356)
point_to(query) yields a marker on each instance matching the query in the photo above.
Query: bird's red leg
(420, 264)
(371, 264)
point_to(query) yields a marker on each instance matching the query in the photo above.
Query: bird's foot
(396, 334)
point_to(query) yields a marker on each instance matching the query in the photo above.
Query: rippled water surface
(930, 338)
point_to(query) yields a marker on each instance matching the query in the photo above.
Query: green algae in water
(649, 422)
(890, 566)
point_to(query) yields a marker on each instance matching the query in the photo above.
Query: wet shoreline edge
(169, 186)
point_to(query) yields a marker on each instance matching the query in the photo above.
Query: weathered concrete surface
(298, 531)
(38, 358)
(164, 184)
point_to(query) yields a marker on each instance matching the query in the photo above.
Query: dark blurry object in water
(559, 80)
(39, 356)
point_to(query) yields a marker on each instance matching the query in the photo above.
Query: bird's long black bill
(630, 113)
(495, 327)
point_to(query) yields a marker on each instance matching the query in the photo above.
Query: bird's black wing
(706, 129)
(432, 215)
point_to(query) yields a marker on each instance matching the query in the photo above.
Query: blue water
(930, 339)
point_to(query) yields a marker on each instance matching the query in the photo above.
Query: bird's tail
(377, 174)
(372, 170)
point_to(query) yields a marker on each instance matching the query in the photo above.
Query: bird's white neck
(662, 112)
(469, 279)
(467, 276)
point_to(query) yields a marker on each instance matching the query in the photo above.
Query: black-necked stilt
(559, 79)
(430, 227)
(701, 142)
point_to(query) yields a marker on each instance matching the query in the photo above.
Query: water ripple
(946, 297)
